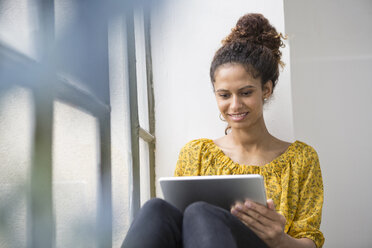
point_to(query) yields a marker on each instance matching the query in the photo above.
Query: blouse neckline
(278, 158)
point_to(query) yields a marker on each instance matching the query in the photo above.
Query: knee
(155, 205)
(198, 209)
(159, 208)
(204, 211)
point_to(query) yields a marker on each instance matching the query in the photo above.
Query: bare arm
(288, 241)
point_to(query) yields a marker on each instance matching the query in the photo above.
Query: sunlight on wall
(75, 176)
(20, 14)
(16, 134)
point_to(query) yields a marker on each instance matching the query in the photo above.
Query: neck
(252, 138)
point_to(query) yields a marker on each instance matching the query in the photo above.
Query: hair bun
(256, 29)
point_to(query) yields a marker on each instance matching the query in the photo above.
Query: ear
(267, 89)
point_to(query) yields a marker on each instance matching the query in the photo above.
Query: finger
(257, 216)
(250, 216)
(236, 204)
(270, 204)
(253, 217)
(271, 216)
(249, 221)
(261, 210)
(243, 211)
(256, 230)
(264, 232)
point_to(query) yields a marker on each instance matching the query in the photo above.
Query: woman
(244, 73)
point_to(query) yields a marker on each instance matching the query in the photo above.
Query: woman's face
(239, 96)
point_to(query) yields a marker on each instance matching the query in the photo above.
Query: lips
(238, 116)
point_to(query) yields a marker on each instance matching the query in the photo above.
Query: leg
(206, 225)
(158, 224)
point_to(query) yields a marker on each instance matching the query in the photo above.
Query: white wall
(331, 60)
(185, 36)
(120, 124)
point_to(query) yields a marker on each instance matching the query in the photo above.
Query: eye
(223, 95)
(246, 93)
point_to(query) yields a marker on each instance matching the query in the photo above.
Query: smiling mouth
(238, 117)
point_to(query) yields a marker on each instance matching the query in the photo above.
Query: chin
(239, 126)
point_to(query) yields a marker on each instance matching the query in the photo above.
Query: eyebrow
(243, 88)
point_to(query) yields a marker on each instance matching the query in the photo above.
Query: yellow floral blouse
(293, 180)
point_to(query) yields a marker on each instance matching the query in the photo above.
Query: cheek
(255, 104)
(222, 106)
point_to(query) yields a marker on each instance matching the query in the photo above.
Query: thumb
(270, 204)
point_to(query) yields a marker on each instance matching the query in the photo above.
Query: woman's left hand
(265, 222)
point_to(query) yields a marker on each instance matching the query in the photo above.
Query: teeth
(238, 115)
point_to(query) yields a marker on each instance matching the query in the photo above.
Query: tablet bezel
(222, 191)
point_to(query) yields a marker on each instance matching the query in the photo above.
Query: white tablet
(222, 191)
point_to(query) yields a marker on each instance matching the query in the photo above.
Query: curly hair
(253, 43)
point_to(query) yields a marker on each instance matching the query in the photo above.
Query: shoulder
(193, 156)
(300, 157)
(199, 149)
(305, 160)
(302, 150)
(197, 145)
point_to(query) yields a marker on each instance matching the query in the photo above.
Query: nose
(236, 103)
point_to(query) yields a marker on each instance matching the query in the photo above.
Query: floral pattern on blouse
(293, 180)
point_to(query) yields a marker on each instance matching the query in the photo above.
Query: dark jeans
(159, 224)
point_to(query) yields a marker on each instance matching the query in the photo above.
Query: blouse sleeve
(307, 220)
(188, 163)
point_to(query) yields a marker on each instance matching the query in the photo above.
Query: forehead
(234, 75)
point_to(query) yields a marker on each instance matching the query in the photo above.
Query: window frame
(137, 132)
(47, 87)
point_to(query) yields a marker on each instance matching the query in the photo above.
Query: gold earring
(221, 118)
